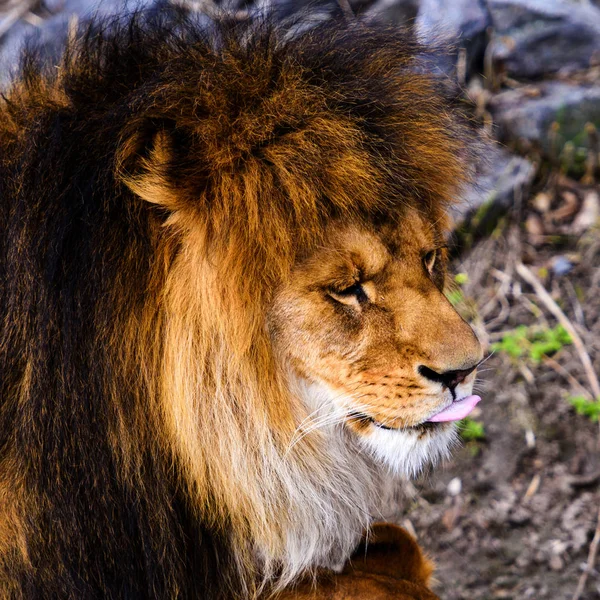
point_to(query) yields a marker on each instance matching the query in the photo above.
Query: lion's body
(156, 189)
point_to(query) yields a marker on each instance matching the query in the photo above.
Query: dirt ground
(514, 512)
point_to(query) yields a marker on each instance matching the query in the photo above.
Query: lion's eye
(351, 295)
(429, 260)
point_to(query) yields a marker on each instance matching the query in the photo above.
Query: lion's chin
(405, 452)
(408, 451)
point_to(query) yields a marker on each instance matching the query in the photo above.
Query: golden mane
(201, 166)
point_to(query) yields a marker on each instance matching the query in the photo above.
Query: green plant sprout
(471, 430)
(586, 408)
(532, 343)
(455, 297)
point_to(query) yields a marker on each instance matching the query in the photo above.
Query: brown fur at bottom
(390, 566)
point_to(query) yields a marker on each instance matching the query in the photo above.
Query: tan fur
(13, 546)
(390, 566)
(13, 500)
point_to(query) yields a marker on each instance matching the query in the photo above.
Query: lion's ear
(145, 163)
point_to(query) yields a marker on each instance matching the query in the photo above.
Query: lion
(223, 329)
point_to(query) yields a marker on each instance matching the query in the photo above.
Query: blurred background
(515, 514)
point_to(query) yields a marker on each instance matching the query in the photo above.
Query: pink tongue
(457, 410)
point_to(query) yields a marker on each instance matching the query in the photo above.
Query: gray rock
(535, 37)
(461, 18)
(561, 265)
(506, 178)
(462, 22)
(305, 10)
(51, 32)
(396, 12)
(547, 116)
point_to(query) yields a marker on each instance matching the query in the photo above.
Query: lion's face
(364, 325)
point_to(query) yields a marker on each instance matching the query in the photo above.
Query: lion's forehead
(369, 247)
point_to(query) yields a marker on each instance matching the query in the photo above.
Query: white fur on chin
(407, 452)
(404, 452)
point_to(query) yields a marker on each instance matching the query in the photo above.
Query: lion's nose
(449, 378)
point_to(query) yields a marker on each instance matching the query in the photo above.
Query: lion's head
(231, 254)
(364, 327)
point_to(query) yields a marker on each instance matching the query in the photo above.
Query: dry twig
(212, 10)
(590, 561)
(15, 14)
(551, 305)
(498, 298)
(346, 9)
(555, 366)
